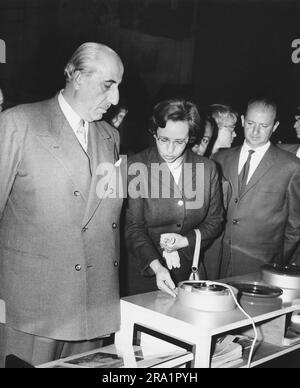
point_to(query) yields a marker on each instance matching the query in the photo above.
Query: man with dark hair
(59, 240)
(263, 217)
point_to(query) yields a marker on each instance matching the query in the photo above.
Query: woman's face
(117, 121)
(171, 141)
(226, 132)
(201, 148)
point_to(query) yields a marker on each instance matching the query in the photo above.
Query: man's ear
(77, 80)
(243, 120)
(276, 126)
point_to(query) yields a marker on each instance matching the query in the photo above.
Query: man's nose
(114, 96)
(256, 129)
(170, 147)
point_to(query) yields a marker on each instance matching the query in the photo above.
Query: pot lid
(257, 290)
(289, 270)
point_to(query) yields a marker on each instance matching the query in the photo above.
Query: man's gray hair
(83, 58)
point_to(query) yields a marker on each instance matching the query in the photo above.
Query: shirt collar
(176, 164)
(260, 150)
(72, 117)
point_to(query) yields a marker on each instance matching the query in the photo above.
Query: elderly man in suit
(59, 240)
(263, 218)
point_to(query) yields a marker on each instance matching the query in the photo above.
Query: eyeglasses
(165, 141)
(205, 140)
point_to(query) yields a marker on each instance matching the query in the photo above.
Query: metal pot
(206, 295)
(287, 277)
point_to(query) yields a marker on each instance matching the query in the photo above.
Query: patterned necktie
(243, 176)
(81, 134)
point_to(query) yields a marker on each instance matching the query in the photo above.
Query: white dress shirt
(298, 153)
(75, 121)
(176, 168)
(255, 159)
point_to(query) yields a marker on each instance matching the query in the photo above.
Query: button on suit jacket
(58, 249)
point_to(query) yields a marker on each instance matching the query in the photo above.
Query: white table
(162, 315)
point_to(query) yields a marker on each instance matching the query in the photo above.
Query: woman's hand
(171, 242)
(163, 278)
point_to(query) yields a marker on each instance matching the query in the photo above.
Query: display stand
(161, 316)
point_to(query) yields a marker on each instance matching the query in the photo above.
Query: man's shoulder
(284, 155)
(30, 109)
(293, 148)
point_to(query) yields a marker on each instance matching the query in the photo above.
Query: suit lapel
(102, 149)
(233, 172)
(62, 143)
(264, 166)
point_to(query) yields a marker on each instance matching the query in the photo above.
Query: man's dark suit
(263, 224)
(293, 148)
(59, 242)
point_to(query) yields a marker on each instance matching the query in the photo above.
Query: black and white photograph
(149, 186)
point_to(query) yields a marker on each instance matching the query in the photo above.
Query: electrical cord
(247, 315)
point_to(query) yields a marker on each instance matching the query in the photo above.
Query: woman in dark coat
(170, 190)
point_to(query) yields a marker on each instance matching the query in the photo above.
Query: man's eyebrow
(112, 81)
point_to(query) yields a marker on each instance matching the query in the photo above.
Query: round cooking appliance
(258, 294)
(206, 295)
(286, 277)
(257, 290)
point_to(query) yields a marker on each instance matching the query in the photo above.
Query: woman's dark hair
(215, 133)
(176, 110)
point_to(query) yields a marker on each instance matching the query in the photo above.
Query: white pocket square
(118, 162)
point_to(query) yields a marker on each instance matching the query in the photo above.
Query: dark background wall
(208, 50)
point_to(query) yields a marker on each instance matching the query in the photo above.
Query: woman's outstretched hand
(164, 281)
